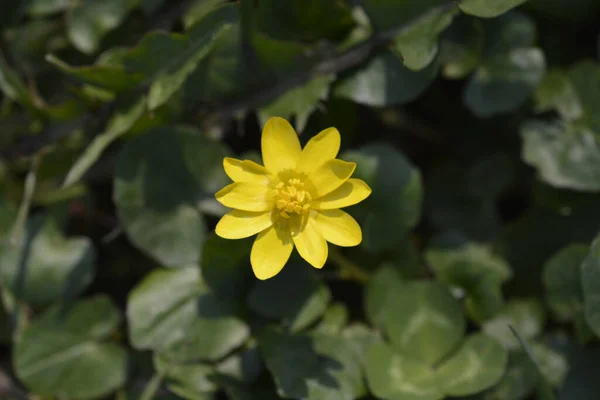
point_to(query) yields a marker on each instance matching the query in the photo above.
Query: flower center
(292, 198)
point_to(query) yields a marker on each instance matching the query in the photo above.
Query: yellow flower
(294, 200)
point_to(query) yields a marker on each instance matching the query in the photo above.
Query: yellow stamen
(292, 198)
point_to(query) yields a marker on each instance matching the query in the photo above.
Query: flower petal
(270, 251)
(238, 224)
(311, 245)
(245, 171)
(351, 192)
(338, 227)
(319, 149)
(246, 196)
(280, 145)
(330, 176)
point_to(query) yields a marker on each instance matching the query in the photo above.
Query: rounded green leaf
(312, 367)
(44, 266)
(391, 14)
(64, 353)
(172, 311)
(393, 376)
(381, 287)
(488, 8)
(511, 68)
(161, 179)
(226, 266)
(518, 381)
(565, 155)
(527, 316)
(395, 203)
(189, 380)
(295, 295)
(423, 321)
(475, 269)
(477, 365)
(590, 281)
(418, 43)
(562, 280)
(385, 81)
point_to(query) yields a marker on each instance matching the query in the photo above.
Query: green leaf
(295, 295)
(172, 311)
(462, 47)
(187, 380)
(552, 364)
(64, 353)
(380, 289)
(222, 73)
(423, 321)
(511, 67)
(565, 155)
(198, 10)
(108, 75)
(123, 119)
(418, 43)
(44, 266)
(41, 8)
(324, 367)
(395, 203)
(475, 269)
(518, 382)
(90, 20)
(161, 179)
(574, 94)
(11, 84)
(226, 266)
(303, 20)
(194, 47)
(393, 376)
(334, 319)
(385, 81)
(525, 315)
(590, 281)
(582, 381)
(562, 281)
(544, 389)
(488, 8)
(390, 14)
(299, 102)
(477, 365)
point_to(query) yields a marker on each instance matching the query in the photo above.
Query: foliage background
(476, 123)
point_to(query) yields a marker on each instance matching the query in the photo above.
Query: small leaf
(418, 43)
(476, 270)
(299, 102)
(324, 367)
(525, 315)
(395, 203)
(172, 311)
(590, 281)
(511, 67)
(462, 47)
(295, 295)
(488, 8)
(385, 81)
(187, 380)
(119, 124)
(194, 47)
(544, 389)
(161, 179)
(477, 365)
(565, 155)
(380, 289)
(63, 353)
(423, 321)
(44, 266)
(90, 20)
(562, 280)
(334, 320)
(393, 376)
(390, 14)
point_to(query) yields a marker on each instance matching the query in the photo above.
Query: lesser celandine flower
(294, 200)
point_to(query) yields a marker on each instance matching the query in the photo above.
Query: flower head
(294, 200)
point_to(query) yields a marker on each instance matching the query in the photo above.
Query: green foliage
(476, 123)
